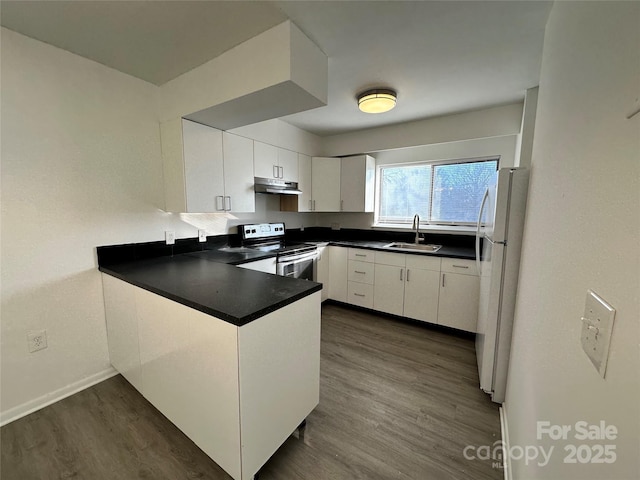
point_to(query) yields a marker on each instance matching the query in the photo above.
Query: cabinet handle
(443, 279)
(401, 272)
(314, 205)
(359, 295)
(360, 255)
(275, 171)
(227, 203)
(461, 266)
(357, 271)
(341, 205)
(281, 171)
(408, 274)
(310, 205)
(219, 203)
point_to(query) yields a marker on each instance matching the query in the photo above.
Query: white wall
(80, 168)
(485, 123)
(582, 231)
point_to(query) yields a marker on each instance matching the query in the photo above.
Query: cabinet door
(288, 165)
(421, 294)
(388, 289)
(458, 302)
(360, 294)
(357, 184)
(325, 178)
(361, 272)
(322, 271)
(265, 160)
(238, 173)
(304, 183)
(203, 166)
(338, 273)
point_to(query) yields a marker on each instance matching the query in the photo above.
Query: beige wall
(582, 232)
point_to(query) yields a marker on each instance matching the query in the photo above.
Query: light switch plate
(169, 237)
(597, 325)
(202, 236)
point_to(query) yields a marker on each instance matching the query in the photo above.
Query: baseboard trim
(44, 401)
(506, 458)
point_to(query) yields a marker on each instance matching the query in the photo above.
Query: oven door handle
(297, 258)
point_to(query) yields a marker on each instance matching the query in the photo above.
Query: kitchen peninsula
(231, 356)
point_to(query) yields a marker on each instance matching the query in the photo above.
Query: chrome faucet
(416, 226)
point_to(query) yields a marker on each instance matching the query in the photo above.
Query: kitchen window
(442, 193)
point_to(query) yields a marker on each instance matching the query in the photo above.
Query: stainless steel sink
(428, 248)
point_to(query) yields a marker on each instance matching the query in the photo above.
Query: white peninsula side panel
(190, 373)
(237, 392)
(279, 356)
(122, 329)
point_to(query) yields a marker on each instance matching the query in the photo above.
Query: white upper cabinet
(238, 173)
(275, 162)
(325, 184)
(265, 160)
(288, 165)
(304, 183)
(206, 170)
(357, 182)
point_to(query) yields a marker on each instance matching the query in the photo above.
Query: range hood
(275, 186)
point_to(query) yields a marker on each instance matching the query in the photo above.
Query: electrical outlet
(37, 340)
(202, 236)
(170, 237)
(597, 324)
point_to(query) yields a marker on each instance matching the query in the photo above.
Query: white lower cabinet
(388, 292)
(407, 285)
(338, 273)
(443, 291)
(210, 377)
(360, 294)
(322, 270)
(421, 288)
(360, 276)
(459, 294)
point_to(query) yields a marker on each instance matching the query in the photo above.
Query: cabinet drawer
(423, 262)
(361, 272)
(456, 265)
(360, 294)
(388, 258)
(361, 255)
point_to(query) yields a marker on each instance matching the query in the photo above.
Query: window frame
(424, 223)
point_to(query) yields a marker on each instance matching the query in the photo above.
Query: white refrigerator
(498, 245)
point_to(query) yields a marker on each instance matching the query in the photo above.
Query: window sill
(451, 229)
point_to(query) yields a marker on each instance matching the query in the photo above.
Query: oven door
(296, 265)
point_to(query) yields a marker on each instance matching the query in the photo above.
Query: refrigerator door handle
(478, 226)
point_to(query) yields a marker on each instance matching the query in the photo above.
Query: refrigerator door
(514, 224)
(499, 264)
(492, 261)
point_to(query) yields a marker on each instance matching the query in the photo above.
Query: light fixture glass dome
(377, 101)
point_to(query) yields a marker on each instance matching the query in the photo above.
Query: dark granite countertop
(233, 294)
(205, 276)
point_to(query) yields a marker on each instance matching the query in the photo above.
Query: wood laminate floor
(397, 401)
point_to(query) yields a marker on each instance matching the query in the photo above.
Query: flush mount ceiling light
(379, 100)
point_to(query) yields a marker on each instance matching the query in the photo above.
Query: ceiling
(441, 57)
